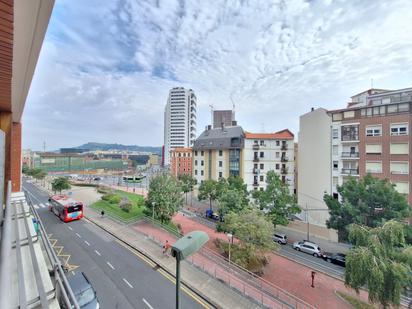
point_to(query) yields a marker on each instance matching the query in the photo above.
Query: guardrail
(60, 281)
(5, 251)
(237, 277)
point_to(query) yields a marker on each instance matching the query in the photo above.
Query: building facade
(370, 136)
(264, 152)
(179, 120)
(223, 117)
(181, 161)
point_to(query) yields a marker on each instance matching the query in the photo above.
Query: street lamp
(183, 248)
(230, 238)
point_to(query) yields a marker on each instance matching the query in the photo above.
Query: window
(349, 114)
(374, 130)
(399, 168)
(335, 133)
(393, 108)
(261, 178)
(262, 154)
(277, 154)
(335, 150)
(255, 165)
(373, 149)
(220, 153)
(195, 162)
(202, 163)
(336, 196)
(202, 153)
(196, 172)
(220, 163)
(337, 117)
(195, 152)
(403, 107)
(373, 167)
(201, 173)
(277, 143)
(402, 187)
(277, 166)
(349, 133)
(220, 174)
(399, 148)
(335, 181)
(399, 129)
(335, 165)
(262, 166)
(262, 143)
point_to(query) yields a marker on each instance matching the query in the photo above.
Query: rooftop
(283, 134)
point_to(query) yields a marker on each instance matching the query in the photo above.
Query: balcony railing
(350, 171)
(284, 147)
(255, 171)
(256, 159)
(284, 170)
(255, 147)
(255, 184)
(350, 138)
(350, 154)
(284, 159)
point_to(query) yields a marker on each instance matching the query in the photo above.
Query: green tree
(369, 201)
(276, 200)
(232, 195)
(60, 183)
(187, 183)
(380, 260)
(165, 197)
(38, 173)
(208, 190)
(254, 232)
(25, 169)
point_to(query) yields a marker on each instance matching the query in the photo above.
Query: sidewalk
(219, 294)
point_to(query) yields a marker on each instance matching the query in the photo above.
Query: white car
(308, 247)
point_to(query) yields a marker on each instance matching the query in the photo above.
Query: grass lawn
(115, 211)
(356, 303)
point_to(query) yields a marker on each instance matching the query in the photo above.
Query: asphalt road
(120, 278)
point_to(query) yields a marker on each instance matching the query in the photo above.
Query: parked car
(281, 239)
(83, 291)
(335, 258)
(213, 215)
(308, 247)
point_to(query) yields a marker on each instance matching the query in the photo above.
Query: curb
(183, 282)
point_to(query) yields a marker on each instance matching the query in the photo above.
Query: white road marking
(110, 265)
(127, 282)
(97, 252)
(42, 205)
(78, 235)
(73, 273)
(36, 206)
(86, 242)
(70, 228)
(147, 303)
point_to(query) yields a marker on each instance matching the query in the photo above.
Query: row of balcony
(283, 170)
(257, 147)
(282, 159)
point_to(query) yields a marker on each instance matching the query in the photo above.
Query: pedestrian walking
(102, 213)
(166, 248)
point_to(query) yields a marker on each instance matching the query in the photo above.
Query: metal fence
(247, 283)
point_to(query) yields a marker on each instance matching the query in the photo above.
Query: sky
(106, 67)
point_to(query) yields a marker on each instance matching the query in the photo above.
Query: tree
(369, 201)
(380, 260)
(208, 189)
(254, 232)
(165, 197)
(187, 182)
(232, 195)
(38, 173)
(60, 183)
(25, 169)
(276, 200)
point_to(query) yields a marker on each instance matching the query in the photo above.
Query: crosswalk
(41, 205)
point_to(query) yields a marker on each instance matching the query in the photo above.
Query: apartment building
(217, 153)
(225, 117)
(268, 151)
(179, 121)
(181, 161)
(370, 136)
(229, 151)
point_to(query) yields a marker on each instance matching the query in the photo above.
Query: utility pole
(44, 146)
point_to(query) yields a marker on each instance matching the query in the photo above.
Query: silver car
(281, 239)
(308, 247)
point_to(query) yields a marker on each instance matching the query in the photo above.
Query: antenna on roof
(371, 83)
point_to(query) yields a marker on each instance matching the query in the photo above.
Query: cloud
(107, 66)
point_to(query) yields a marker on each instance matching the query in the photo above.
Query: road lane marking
(70, 228)
(86, 242)
(78, 235)
(36, 206)
(127, 282)
(110, 265)
(42, 205)
(147, 303)
(73, 273)
(97, 252)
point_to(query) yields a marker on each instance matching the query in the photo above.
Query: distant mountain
(104, 146)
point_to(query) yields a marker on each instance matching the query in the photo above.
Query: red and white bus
(66, 208)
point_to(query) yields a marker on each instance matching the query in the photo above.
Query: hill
(104, 146)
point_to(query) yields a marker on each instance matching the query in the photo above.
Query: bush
(107, 196)
(112, 198)
(103, 190)
(125, 204)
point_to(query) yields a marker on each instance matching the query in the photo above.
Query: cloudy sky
(106, 67)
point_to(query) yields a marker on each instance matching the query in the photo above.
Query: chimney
(234, 123)
(209, 127)
(312, 109)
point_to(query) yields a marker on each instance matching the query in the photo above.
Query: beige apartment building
(230, 151)
(370, 136)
